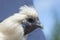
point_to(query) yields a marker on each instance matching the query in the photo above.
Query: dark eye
(30, 20)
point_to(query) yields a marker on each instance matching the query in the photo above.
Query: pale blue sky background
(9, 7)
(48, 12)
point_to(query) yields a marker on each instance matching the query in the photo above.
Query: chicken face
(30, 24)
(32, 21)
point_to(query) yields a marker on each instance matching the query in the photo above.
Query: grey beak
(38, 24)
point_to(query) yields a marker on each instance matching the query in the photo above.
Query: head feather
(29, 11)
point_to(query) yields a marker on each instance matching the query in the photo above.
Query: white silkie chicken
(20, 24)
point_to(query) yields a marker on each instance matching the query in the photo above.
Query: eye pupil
(30, 20)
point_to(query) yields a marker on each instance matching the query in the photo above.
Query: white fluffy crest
(29, 11)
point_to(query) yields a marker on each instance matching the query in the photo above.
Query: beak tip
(40, 26)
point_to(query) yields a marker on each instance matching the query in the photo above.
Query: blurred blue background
(49, 15)
(9, 7)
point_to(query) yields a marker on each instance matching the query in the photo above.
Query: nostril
(30, 20)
